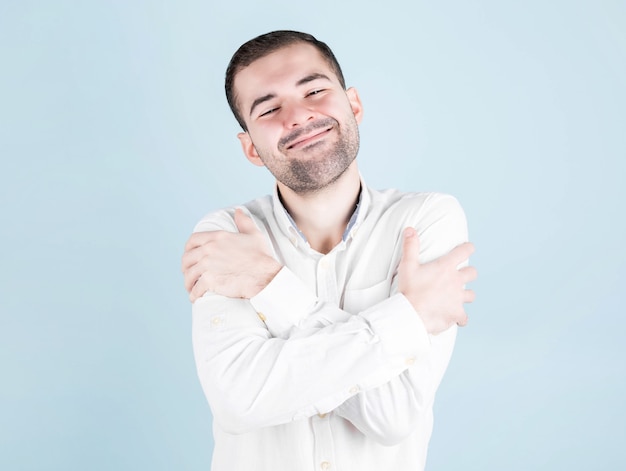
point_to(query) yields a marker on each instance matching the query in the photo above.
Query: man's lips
(303, 140)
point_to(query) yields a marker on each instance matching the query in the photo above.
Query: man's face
(302, 125)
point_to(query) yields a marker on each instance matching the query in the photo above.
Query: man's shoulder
(438, 217)
(397, 201)
(223, 219)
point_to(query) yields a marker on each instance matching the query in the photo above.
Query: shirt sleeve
(392, 411)
(378, 369)
(252, 379)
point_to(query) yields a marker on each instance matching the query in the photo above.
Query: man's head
(260, 47)
(299, 120)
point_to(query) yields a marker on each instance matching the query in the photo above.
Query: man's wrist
(284, 302)
(269, 270)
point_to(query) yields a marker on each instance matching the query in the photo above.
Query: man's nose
(297, 115)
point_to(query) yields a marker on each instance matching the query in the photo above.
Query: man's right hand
(232, 264)
(436, 289)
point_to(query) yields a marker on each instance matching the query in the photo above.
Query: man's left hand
(232, 264)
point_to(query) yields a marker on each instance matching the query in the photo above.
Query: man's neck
(323, 216)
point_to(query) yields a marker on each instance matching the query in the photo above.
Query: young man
(324, 315)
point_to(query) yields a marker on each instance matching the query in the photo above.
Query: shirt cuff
(284, 302)
(399, 327)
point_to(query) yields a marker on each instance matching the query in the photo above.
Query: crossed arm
(240, 265)
(254, 378)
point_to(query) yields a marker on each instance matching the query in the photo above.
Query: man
(324, 315)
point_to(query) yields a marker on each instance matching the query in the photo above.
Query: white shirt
(328, 367)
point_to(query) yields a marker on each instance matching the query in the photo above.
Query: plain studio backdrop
(115, 139)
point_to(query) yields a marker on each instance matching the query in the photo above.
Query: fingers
(204, 250)
(460, 253)
(197, 239)
(193, 264)
(198, 246)
(191, 276)
(468, 274)
(197, 291)
(410, 246)
(189, 258)
(244, 223)
(469, 296)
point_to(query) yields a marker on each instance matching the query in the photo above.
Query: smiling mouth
(302, 142)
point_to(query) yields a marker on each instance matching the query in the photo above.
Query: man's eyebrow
(261, 99)
(310, 78)
(302, 81)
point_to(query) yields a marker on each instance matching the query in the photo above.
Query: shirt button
(354, 390)
(321, 416)
(324, 263)
(325, 465)
(410, 361)
(216, 321)
(261, 316)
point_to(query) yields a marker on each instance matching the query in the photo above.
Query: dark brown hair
(263, 45)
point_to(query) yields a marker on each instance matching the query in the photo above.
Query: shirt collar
(290, 229)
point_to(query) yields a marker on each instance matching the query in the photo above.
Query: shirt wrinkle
(338, 341)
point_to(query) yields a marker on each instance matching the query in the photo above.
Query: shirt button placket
(324, 448)
(326, 279)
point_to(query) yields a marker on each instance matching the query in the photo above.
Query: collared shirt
(328, 367)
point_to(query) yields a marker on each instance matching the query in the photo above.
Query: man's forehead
(286, 65)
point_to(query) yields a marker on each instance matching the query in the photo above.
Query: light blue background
(115, 138)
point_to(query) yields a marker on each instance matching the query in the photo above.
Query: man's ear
(355, 103)
(249, 150)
